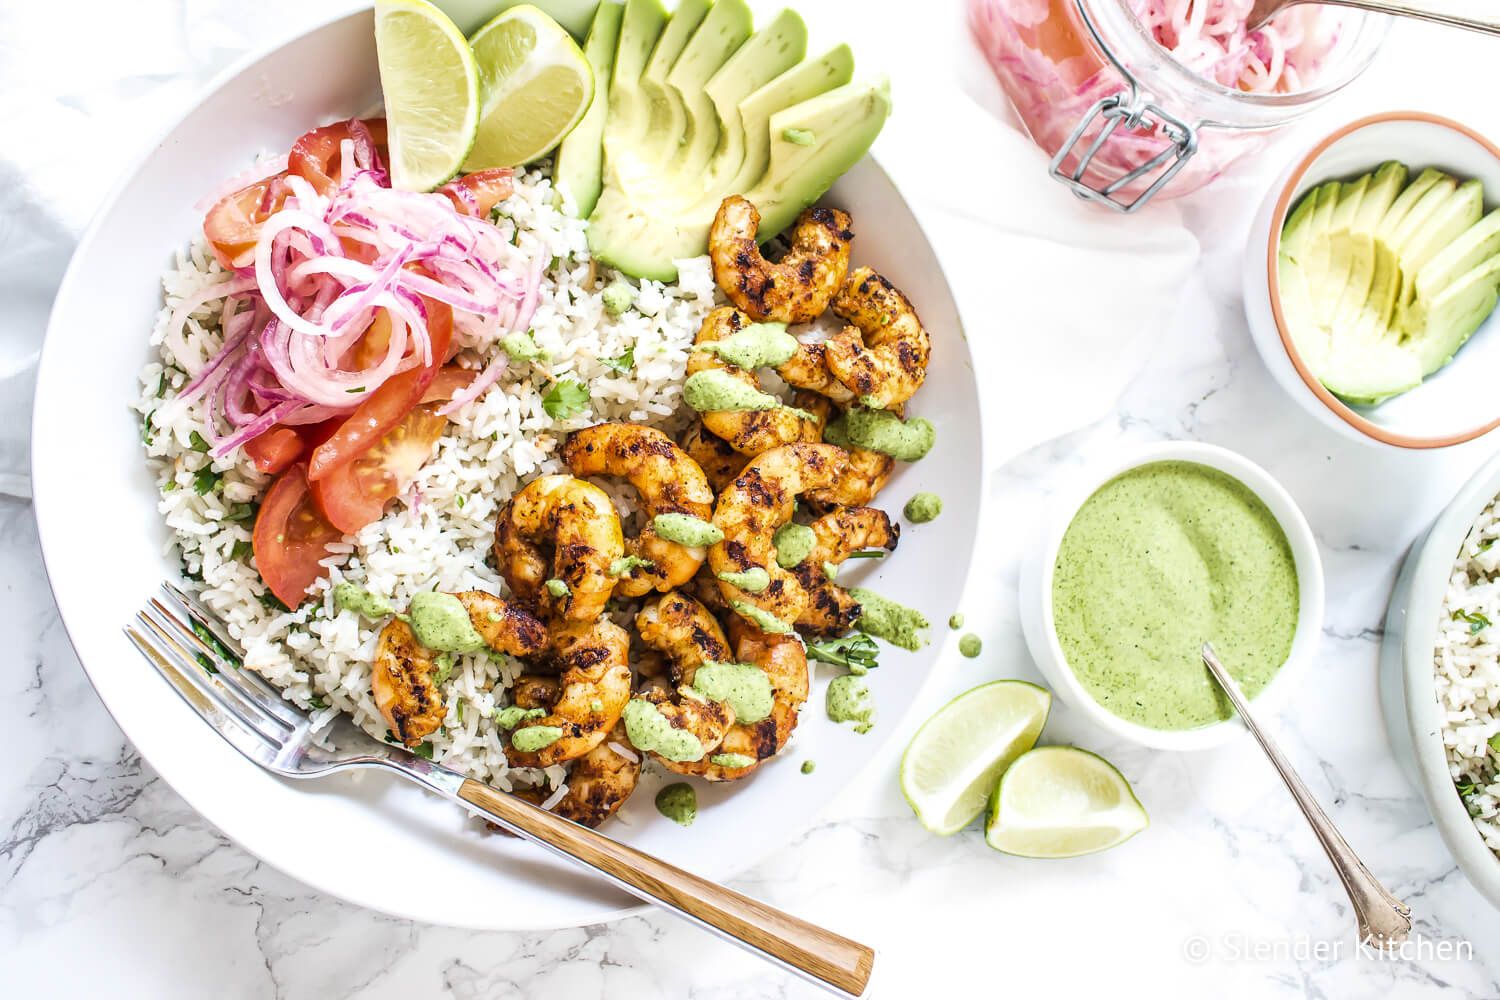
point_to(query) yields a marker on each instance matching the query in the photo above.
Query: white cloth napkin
(1059, 298)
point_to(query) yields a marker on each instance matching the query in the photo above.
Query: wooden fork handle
(818, 955)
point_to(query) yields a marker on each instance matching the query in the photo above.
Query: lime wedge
(953, 762)
(1060, 802)
(431, 90)
(534, 84)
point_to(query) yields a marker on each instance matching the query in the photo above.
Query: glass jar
(1121, 117)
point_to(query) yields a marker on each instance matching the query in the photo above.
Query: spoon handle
(1473, 16)
(1383, 919)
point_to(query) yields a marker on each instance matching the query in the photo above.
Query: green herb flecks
(196, 442)
(566, 399)
(205, 481)
(1477, 622)
(622, 363)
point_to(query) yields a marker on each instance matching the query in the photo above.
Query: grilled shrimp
(831, 610)
(750, 432)
(883, 358)
(720, 462)
(594, 663)
(784, 660)
(808, 369)
(668, 481)
(600, 781)
(867, 472)
(687, 636)
(794, 290)
(757, 503)
(401, 675)
(577, 522)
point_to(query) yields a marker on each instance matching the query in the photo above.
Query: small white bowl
(1036, 593)
(1456, 403)
(1413, 717)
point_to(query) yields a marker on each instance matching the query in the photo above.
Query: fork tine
(233, 674)
(211, 711)
(270, 729)
(206, 620)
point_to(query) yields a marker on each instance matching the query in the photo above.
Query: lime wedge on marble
(431, 87)
(954, 760)
(1060, 802)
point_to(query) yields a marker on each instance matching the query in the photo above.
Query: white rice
(1467, 673)
(438, 537)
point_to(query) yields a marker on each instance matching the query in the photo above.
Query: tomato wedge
(318, 154)
(390, 402)
(232, 226)
(290, 537)
(275, 449)
(449, 381)
(478, 193)
(355, 493)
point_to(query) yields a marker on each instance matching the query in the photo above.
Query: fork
(1472, 16)
(196, 657)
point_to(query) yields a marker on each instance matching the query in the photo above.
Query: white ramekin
(1454, 404)
(1036, 592)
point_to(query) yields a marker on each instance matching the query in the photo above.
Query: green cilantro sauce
(752, 581)
(618, 296)
(513, 715)
(648, 729)
(895, 623)
(558, 588)
(1157, 562)
(956, 621)
(882, 431)
(970, 645)
(759, 345)
(731, 761)
(440, 622)
(923, 507)
(809, 766)
(685, 529)
(349, 597)
(716, 390)
(763, 619)
(742, 686)
(628, 564)
(522, 347)
(534, 738)
(679, 803)
(794, 543)
(851, 700)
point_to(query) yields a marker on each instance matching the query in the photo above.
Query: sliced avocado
(1480, 242)
(1312, 340)
(1351, 303)
(836, 130)
(1380, 193)
(1315, 258)
(1365, 373)
(629, 109)
(1406, 201)
(1452, 317)
(640, 228)
(800, 83)
(1451, 220)
(721, 34)
(580, 159)
(1347, 209)
(770, 52)
(1422, 213)
(668, 116)
(1379, 313)
(1298, 224)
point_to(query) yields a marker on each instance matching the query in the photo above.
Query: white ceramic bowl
(1413, 717)
(1455, 404)
(103, 543)
(1036, 592)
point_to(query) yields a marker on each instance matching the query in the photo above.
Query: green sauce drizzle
(763, 620)
(513, 715)
(895, 623)
(759, 345)
(752, 581)
(794, 543)
(649, 730)
(970, 645)
(349, 597)
(882, 431)
(742, 686)
(679, 803)
(440, 622)
(685, 529)
(923, 507)
(716, 390)
(731, 761)
(534, 738)
(851, 700)
(558, 588)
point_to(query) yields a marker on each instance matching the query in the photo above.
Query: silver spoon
(1475, 17)
(1383, 919)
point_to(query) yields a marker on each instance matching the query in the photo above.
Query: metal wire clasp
(1134, 114)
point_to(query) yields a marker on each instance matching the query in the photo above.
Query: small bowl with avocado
(1371, 281)
(1149, 557)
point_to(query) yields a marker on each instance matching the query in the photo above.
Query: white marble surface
(111, 886)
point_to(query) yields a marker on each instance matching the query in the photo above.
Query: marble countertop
(111, 885)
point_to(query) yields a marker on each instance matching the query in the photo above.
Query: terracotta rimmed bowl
(1455, 404)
